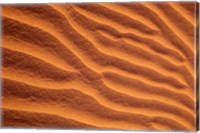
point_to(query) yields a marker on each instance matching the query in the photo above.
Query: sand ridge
(99, 66)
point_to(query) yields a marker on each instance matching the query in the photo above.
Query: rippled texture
(100, 66)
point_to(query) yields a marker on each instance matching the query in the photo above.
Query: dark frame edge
(1, 65)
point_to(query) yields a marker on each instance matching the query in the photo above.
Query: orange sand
(100, 66)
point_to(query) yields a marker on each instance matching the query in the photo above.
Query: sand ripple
(99, 66)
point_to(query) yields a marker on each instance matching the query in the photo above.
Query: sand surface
(100, 66)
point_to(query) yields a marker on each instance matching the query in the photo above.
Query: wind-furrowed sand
(100, 66)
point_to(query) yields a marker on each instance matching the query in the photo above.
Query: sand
(100, 66)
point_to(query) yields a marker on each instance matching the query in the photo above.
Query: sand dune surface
(100, 66)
